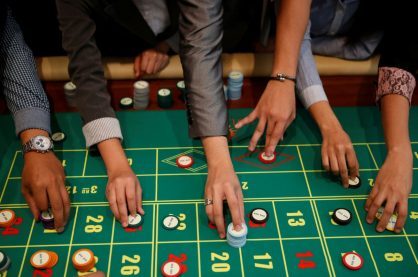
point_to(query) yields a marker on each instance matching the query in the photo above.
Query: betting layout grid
(301, 221)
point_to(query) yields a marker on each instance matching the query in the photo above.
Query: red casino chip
(353, 260)
(266, 159)
(184, 161)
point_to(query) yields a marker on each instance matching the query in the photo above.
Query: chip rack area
(299, 238)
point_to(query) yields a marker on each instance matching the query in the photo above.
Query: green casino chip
(135, 221)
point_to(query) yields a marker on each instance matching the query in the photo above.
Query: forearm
(22, 89)
(395, 116)
(113, 155)
(324, 117)
(217, 151)
(291, 25)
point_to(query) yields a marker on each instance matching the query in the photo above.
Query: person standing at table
(43, 177)
(200, 32)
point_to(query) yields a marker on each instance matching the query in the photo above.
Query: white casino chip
(171, 222)
(40, 259)
(141, 84)
(267, 158)
(134, 220)
(171, 268)
(259, 214)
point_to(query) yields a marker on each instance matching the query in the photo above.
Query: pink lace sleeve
(393, 80)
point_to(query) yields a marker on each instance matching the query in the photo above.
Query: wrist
(216, 151)
(404, 150)
(26, 135)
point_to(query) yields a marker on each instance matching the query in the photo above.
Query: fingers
(121, 204)
(352, 162)
(257, 134)
(41, 199)
(57, 207)
(111, 197)
(130, 194)
(325, 158)
(209, 211)
(137, 66)
(370, 199)
(138, 191)
(342, 165)
(334, 163)
(234, 207)
(31, 202)
(387, 213)
(218, 215)
(402, 214)
(246, 120)
(144, 62)
(274, 138)
(373, 207)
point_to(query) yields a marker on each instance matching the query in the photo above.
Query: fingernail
(238, 227)
(124, 224)
(221, 236)
(369, 221)
(380, 229)
(366, 208)
(398, 231)
(60, 229)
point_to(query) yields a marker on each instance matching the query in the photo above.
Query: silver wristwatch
(40, 144)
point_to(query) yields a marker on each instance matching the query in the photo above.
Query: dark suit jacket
(200, 27)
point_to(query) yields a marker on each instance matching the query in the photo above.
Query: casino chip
(135, 221)
(259, 215)
(354, 183)
(83, 260)
(44, 259)
(184, 161)
(126, 103)
(47, 219)
(392, 220)
(58, 137)
(342, 216)
(265, 159)
(164, 98)
(5, 262)
(171, 269)
(353, 260)
(171, 222)
(236, 238)
(7, 218)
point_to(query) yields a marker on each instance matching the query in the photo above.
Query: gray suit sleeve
(86, 72)
(200, 29)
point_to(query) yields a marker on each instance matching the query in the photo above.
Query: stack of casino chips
(7, 218)
(235, 238)
(4, 262)
(235, 83)
(43, 259)
(70, 93)
(47, 219)
(83, 260)
(141, 95)
(165, 98)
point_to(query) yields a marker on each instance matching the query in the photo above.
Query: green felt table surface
(299, 239)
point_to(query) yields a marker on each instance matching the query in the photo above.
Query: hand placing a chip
(338, 155)
(151, 61)
(222, 184)
(123, 190)
(392, 187)
(277, 110)
(43, 183)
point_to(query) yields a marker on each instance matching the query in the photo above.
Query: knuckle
(374, 205)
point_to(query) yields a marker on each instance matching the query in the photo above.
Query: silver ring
(208, 201)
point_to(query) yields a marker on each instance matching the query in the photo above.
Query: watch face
(41, 143)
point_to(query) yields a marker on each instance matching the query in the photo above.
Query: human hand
(277, 109)
(392, 187)
(151, 61)
(43, 182)
(123, 190)
(222, 184)
(124, 193)
(338, 153)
